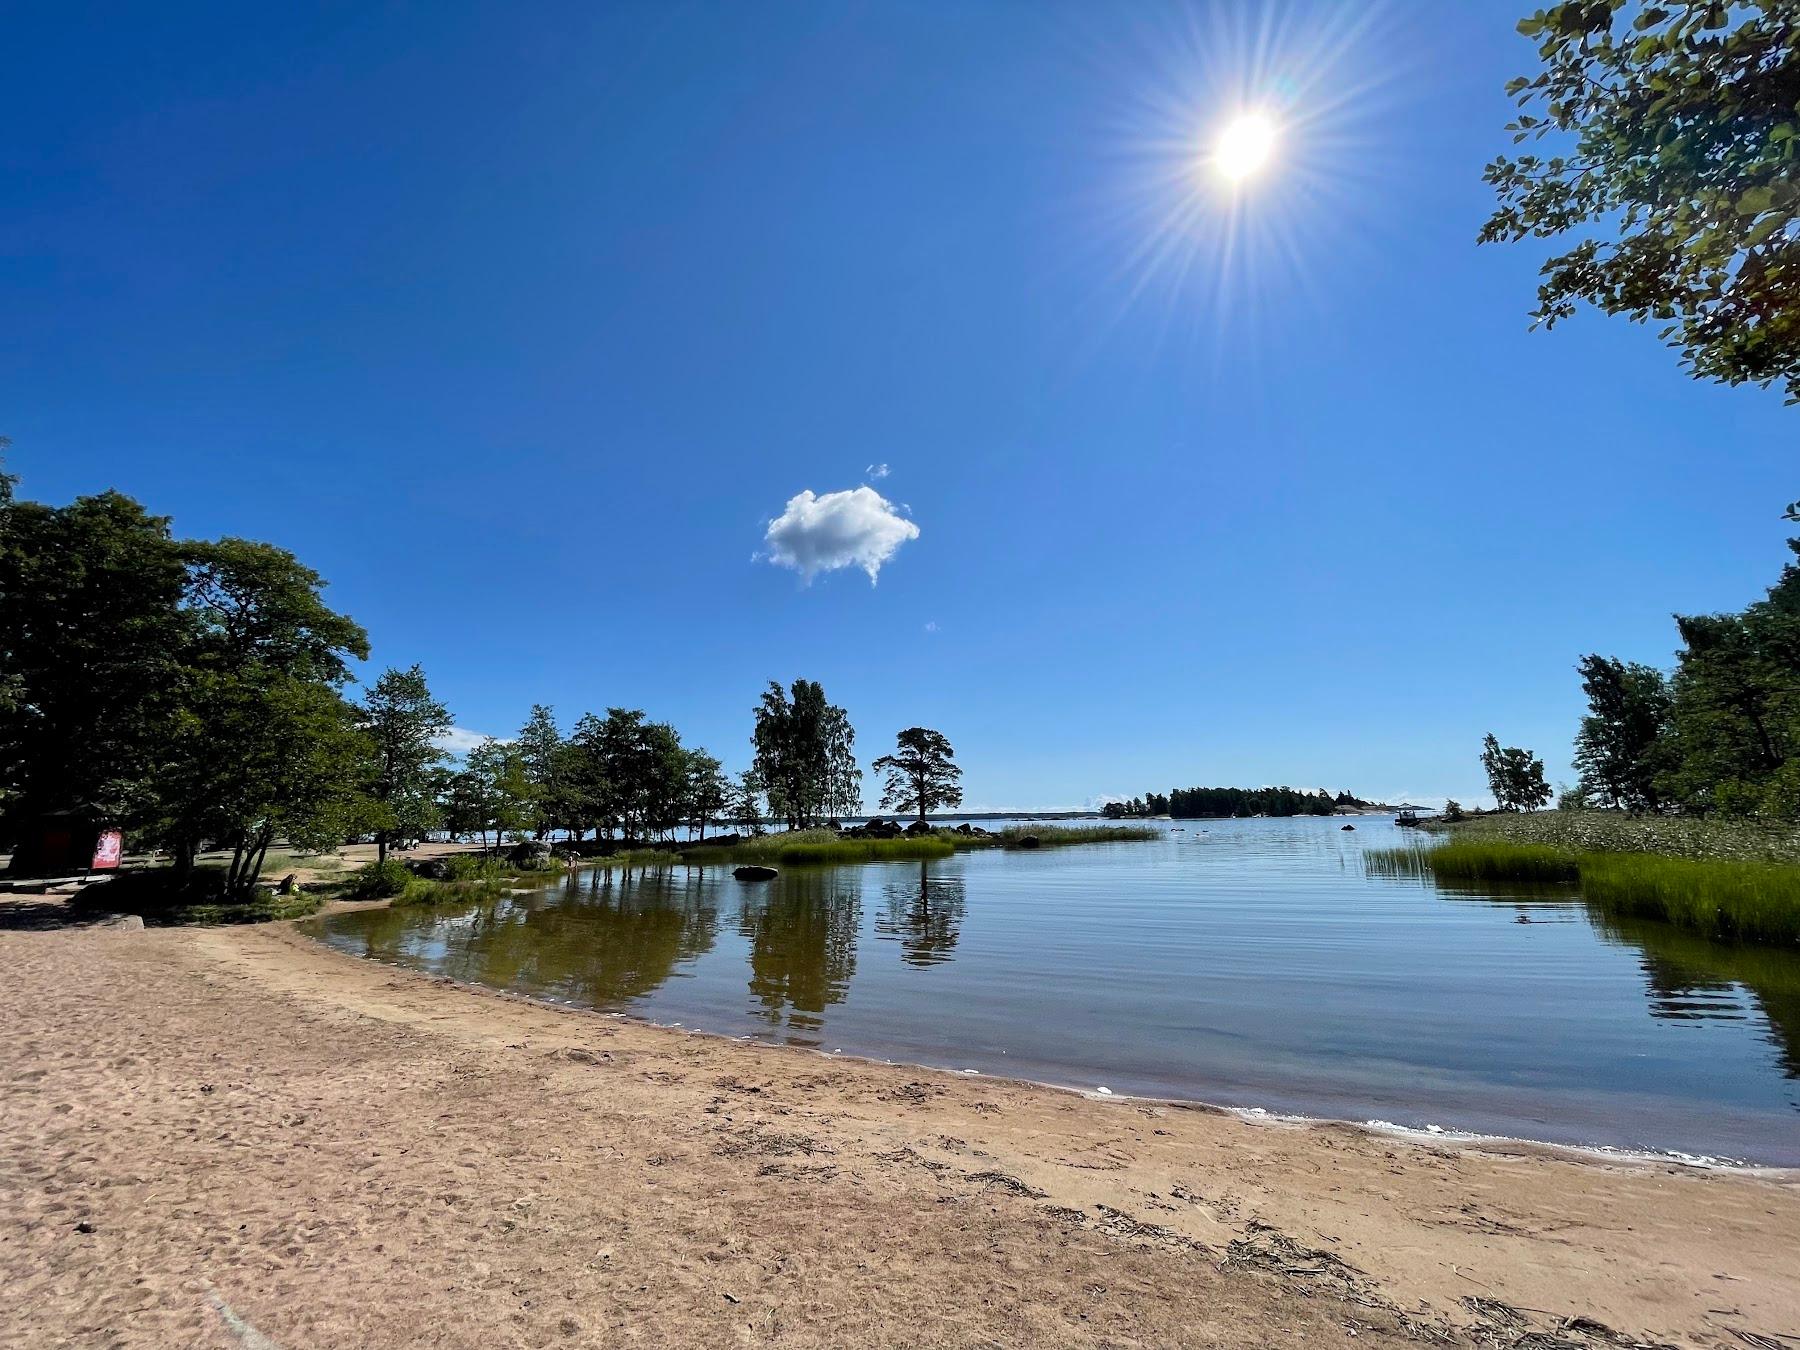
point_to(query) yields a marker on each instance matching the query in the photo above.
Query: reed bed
(1735, 901)
(1621, 832)
(1726, 899)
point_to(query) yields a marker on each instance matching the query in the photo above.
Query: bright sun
(1245, 146)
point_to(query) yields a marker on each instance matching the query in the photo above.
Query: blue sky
(522, 323)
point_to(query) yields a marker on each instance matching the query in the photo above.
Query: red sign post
(107, 850)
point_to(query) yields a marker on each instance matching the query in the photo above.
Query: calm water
(1246, 963)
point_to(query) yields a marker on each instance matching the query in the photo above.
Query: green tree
(922, 773)
(541, 748)
(843, 775)
(92, 637)
(1670, 175)
(491, 792)
(264, 743)
(1622, 744)
(403, 722)
(805, 754)
(708, 789)
(746, 802)
(1515, 776)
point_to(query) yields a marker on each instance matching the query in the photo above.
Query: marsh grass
(1734, 901)
(1722, 898)
(1477, 860)
(1619, 832)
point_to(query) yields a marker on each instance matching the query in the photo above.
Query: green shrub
(380, 880)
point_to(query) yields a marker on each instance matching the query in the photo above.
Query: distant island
(1223, 803)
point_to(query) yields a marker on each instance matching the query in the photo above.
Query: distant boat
(1410, 815)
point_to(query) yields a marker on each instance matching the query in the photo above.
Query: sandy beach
(235, 1137)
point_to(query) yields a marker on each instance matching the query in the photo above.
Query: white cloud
(460, 740)
(857, 528)
(877, 471)
(931, 626)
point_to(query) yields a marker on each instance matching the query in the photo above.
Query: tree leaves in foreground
(1669, 177)
(922, 774)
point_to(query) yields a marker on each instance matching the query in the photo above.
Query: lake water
(1244, 963)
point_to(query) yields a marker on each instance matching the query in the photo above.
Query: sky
(639, 354)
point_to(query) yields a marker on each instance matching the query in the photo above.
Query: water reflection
(802, 936)
(1687, 977)
(600, 938)
(1690, 978)
(925, 916)
(1254, 963)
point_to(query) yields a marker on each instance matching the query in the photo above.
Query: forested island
(1223, 803)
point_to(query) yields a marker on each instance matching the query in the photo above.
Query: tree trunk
(381, 846)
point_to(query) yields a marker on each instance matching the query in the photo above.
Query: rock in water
(1029, 841)
(1349, 827)
(755, 872)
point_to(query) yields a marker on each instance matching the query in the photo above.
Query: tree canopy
(922, 775)
(1617, 748)
(403, 722)
(1515, 776)
(1668, 175)
(805, 755)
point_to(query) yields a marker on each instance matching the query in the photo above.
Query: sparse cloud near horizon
(855, 528)
(460, 740)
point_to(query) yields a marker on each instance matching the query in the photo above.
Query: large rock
(917, 828)
(529, 853)
(877, 828)
(432, 869)
(755, 872)
(1029, 841)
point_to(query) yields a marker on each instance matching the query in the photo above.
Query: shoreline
(1430, 1134)
(337, 1148)
(1254, 1116)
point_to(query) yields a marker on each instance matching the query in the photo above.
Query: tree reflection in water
(1690, 977)
(802, 935)
(925, 916)
(602, 938)
(1687, 977)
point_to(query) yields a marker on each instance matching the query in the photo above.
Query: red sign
(107, 849)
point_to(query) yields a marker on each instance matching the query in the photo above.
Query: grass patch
(799, 847)
(1734, 901)
(1723, 898)
(1619, 832)
(1478, 860)
(634, 857)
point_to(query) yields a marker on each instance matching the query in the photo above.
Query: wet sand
(237, 1137)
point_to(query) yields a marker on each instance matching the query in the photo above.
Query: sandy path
(272, 1140)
